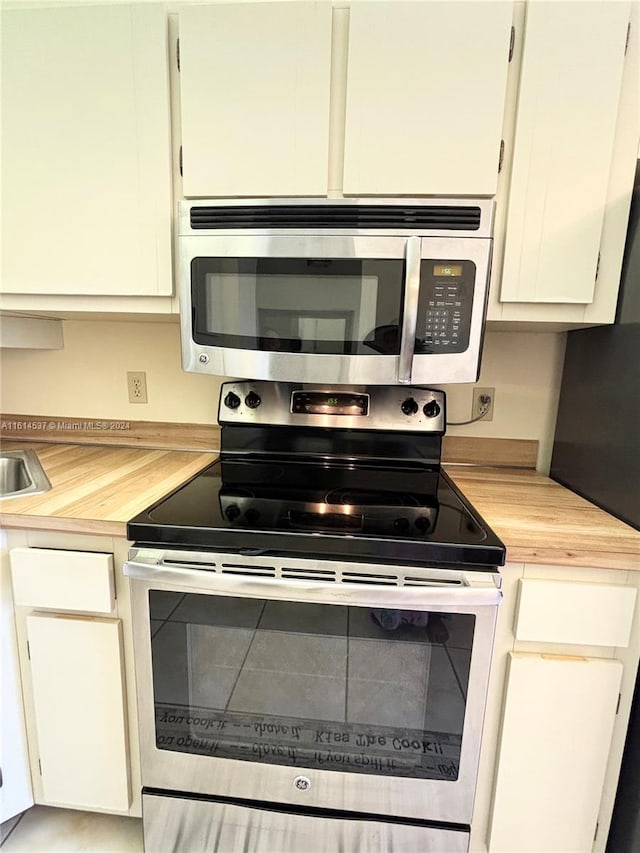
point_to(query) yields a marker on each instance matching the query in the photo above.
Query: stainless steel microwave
(372, 291)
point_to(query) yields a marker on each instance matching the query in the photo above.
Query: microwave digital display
(447, 269)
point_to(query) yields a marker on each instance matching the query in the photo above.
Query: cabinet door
(77, 679)
(425, 97)
(568, 99)
(556, 734)
(86, 167)
(254, 92)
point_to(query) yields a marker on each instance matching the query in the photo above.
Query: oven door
(312, 683)
(371, 310)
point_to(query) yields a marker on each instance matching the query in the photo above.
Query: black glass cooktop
(400, 514)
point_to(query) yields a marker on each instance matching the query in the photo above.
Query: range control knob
(253, 400)
(409, 406)
(423, 523)
(252, 515)
(401, 524)
(431, 409)
(232, 401)
(232, 512)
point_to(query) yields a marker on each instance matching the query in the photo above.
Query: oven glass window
(298, 305)
(352, 689)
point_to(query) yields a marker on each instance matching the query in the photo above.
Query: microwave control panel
(444, 306)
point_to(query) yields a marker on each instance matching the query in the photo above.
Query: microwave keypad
(444, 307)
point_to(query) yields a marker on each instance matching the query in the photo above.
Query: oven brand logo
(302, 783)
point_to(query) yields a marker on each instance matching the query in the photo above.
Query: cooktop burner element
(359, 487)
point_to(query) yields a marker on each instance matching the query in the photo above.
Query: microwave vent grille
(365, 217)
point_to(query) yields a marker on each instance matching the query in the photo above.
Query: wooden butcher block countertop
(542, 522)
(97, 489)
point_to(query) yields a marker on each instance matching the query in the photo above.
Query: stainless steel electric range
(313, 626)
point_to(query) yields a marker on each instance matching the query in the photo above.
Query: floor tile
(48, 830)
(288, 694)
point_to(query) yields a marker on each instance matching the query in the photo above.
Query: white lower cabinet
(556, 736)
(73, 628)
(563, 671)
(78, 691)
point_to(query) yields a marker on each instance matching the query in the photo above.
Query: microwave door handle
(410, 309)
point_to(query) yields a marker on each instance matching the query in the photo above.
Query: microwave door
(295, 308)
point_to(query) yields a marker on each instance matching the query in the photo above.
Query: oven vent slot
(248, 571)
(347, 216)
(409, 581)
(295, 573)
(369, 578)
(190, 564)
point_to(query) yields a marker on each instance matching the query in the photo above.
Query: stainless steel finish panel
(338, 369)
(446, 801)
(464, 366)
(208, 575)
(284, 367)
(181, 825)
(485, 229)
(21, 474)
(384, 407)
(410, 312)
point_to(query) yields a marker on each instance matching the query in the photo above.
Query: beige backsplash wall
(87, 379)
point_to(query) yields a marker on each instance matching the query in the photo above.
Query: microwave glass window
(444, 306)
(342, 307)
(354, 689)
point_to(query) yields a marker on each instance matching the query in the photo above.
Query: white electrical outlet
(483, 398)
(137, 386)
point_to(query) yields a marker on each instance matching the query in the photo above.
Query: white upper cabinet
(254, 90)
(567, 108)
(86, 165)
(425, 97)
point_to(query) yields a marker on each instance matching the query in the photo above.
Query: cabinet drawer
(63, 580)
(590, 614)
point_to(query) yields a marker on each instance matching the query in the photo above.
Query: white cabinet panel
(63, 580)
(79, 708)
(86, 166)
(254, 91)
(568, 101)
(556, 735)
(425, 97)
(588, 614)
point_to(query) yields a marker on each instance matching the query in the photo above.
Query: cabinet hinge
(28, 650)
(619, 700)
(512, 42)
(501, 156)
(178, 53)
(180, 160)
(597, 262)
(626, 44)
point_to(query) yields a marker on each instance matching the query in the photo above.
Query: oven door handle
(418, 597)
(410, 309)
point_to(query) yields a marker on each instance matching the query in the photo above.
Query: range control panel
(404, 409)
(444, 306)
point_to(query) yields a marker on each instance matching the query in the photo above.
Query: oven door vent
(370, 579)
(410, 581)
(316, 571)
(297, 573)
(248, 570)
